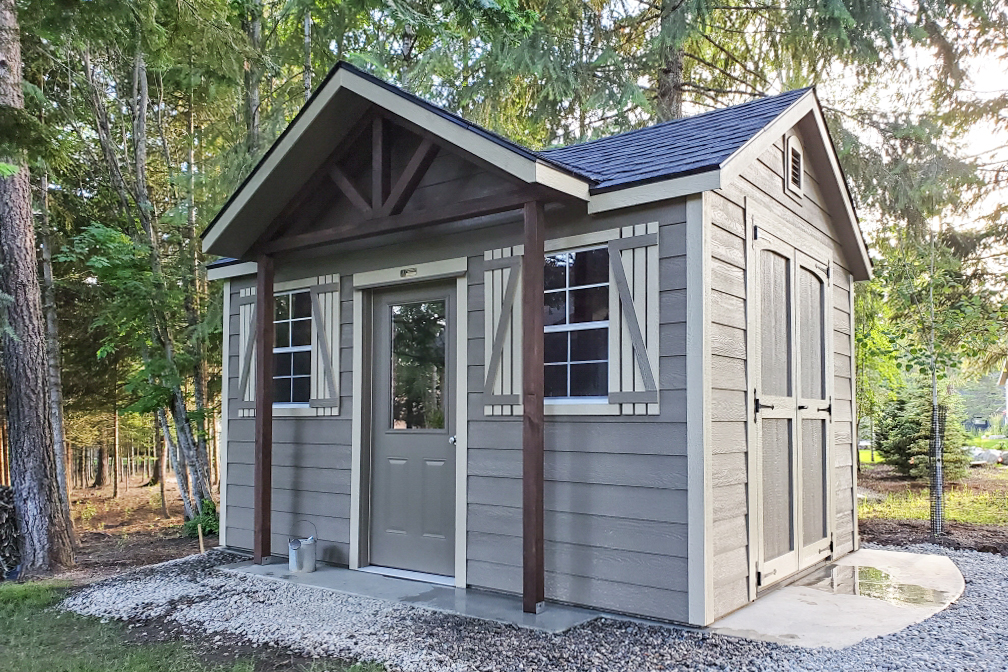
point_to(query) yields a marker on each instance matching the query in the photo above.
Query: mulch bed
(962, 536)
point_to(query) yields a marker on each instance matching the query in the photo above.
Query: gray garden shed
(616, 374)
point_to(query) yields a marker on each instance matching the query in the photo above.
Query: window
(292, 324)
(794, 160)
(576, 322)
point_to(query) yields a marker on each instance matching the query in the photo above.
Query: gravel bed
(311, 622)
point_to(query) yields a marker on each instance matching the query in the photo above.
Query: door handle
(452, 440)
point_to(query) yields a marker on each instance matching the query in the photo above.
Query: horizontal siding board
(727, 309)
(727, 278)
(296, 478)
(646, 471)
(603, 500)
(728, 373)
(640, 569)
(289, 524)
(730, 596)
(730, 534)
(728, 469)
(305, 456)
(728, 437)
(728, 501)
(727, 341)
(728, 406)
(731, 566)
(334, 505)
(608, 595)
(330, 552)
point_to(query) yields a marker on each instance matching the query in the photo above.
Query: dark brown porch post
(263, 491)
(533, 439)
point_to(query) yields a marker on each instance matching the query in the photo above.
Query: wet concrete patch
(865, 594)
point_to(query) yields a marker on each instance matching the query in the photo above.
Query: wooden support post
(263, 477)
(533, 436)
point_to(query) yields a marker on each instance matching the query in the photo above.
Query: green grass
(988, 444)
(34, 637)
(963, 504)
(865, 455)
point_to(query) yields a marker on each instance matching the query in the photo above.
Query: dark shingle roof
(678, 147)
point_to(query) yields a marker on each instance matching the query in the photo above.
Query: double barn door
(792, 405)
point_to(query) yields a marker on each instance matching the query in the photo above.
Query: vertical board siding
(615, 492)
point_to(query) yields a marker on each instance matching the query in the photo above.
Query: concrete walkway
(865, 594)
(469, 602)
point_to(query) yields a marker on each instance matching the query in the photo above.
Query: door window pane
(418, 365)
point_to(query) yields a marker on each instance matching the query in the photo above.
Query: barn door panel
(502, 331)
(633, 320)
(774, 409)
(814, 329)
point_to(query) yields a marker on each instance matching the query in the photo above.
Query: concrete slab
(462, 602)
(868, 593)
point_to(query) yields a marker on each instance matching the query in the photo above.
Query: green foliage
(903, 433)
(963, 504)
(209, 520)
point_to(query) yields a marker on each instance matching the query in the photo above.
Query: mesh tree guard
(938, 413)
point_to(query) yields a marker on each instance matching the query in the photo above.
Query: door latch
(452, 440)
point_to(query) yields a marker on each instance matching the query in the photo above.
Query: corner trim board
(225, 393)
(699, 515)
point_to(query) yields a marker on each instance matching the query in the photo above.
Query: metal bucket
(301, 553)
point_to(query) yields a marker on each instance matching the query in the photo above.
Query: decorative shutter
(246, 351)
(633, 319)
(325, 300)
(502, 335)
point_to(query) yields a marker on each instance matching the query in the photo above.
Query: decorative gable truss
(633, 322)
(325, 349)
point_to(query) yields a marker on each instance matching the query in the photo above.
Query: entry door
(791, 407)
(412, 431)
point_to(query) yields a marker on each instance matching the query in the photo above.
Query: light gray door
(412, 430)
(792, 389)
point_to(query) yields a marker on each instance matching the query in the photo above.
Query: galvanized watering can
(301, 557)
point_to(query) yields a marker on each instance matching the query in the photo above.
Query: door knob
(451, 440)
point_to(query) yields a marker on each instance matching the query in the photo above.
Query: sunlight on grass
(866, 455)
(36, 637)
(963, 504)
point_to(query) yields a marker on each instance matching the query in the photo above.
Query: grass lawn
(36, 638)
(865, 455)
(985, 505)
(988, 444)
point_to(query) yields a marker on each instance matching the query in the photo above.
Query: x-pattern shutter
(633, 319)
(502, 335)
(246, 349)
(325, 300)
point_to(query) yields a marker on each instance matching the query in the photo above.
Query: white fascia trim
(432, 270)
(655, 191)
(222, 449)
(259, 176)
(530, 171)
(550, 176)
(732, 167)
(238, 270)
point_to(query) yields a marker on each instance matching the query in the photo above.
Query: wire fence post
(938, 413)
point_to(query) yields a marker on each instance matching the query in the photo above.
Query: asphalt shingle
(678, 147)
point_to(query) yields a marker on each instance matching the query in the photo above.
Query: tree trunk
(159, 470)
(44, 527)
(99, 469)
(252, 25)
(668, 104)
(183, 486)
(116, 456)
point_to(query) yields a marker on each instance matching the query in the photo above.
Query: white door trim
(391, 277)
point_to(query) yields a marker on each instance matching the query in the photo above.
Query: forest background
(141, 117)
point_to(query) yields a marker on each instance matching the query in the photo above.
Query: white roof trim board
(543, 168)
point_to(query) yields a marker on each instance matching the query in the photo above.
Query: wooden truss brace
(386, 199)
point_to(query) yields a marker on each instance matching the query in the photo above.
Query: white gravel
(319, 623)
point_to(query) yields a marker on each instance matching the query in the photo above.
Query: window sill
(293, 411)
(571, 407)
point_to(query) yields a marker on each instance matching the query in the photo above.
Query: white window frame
(792, 145)
(290, 349)
(580, 326)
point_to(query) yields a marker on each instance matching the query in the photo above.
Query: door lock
(452, 440)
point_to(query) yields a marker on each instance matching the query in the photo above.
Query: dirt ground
(883, 479)
(116, 534)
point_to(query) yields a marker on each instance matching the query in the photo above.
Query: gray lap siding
(615, 492)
